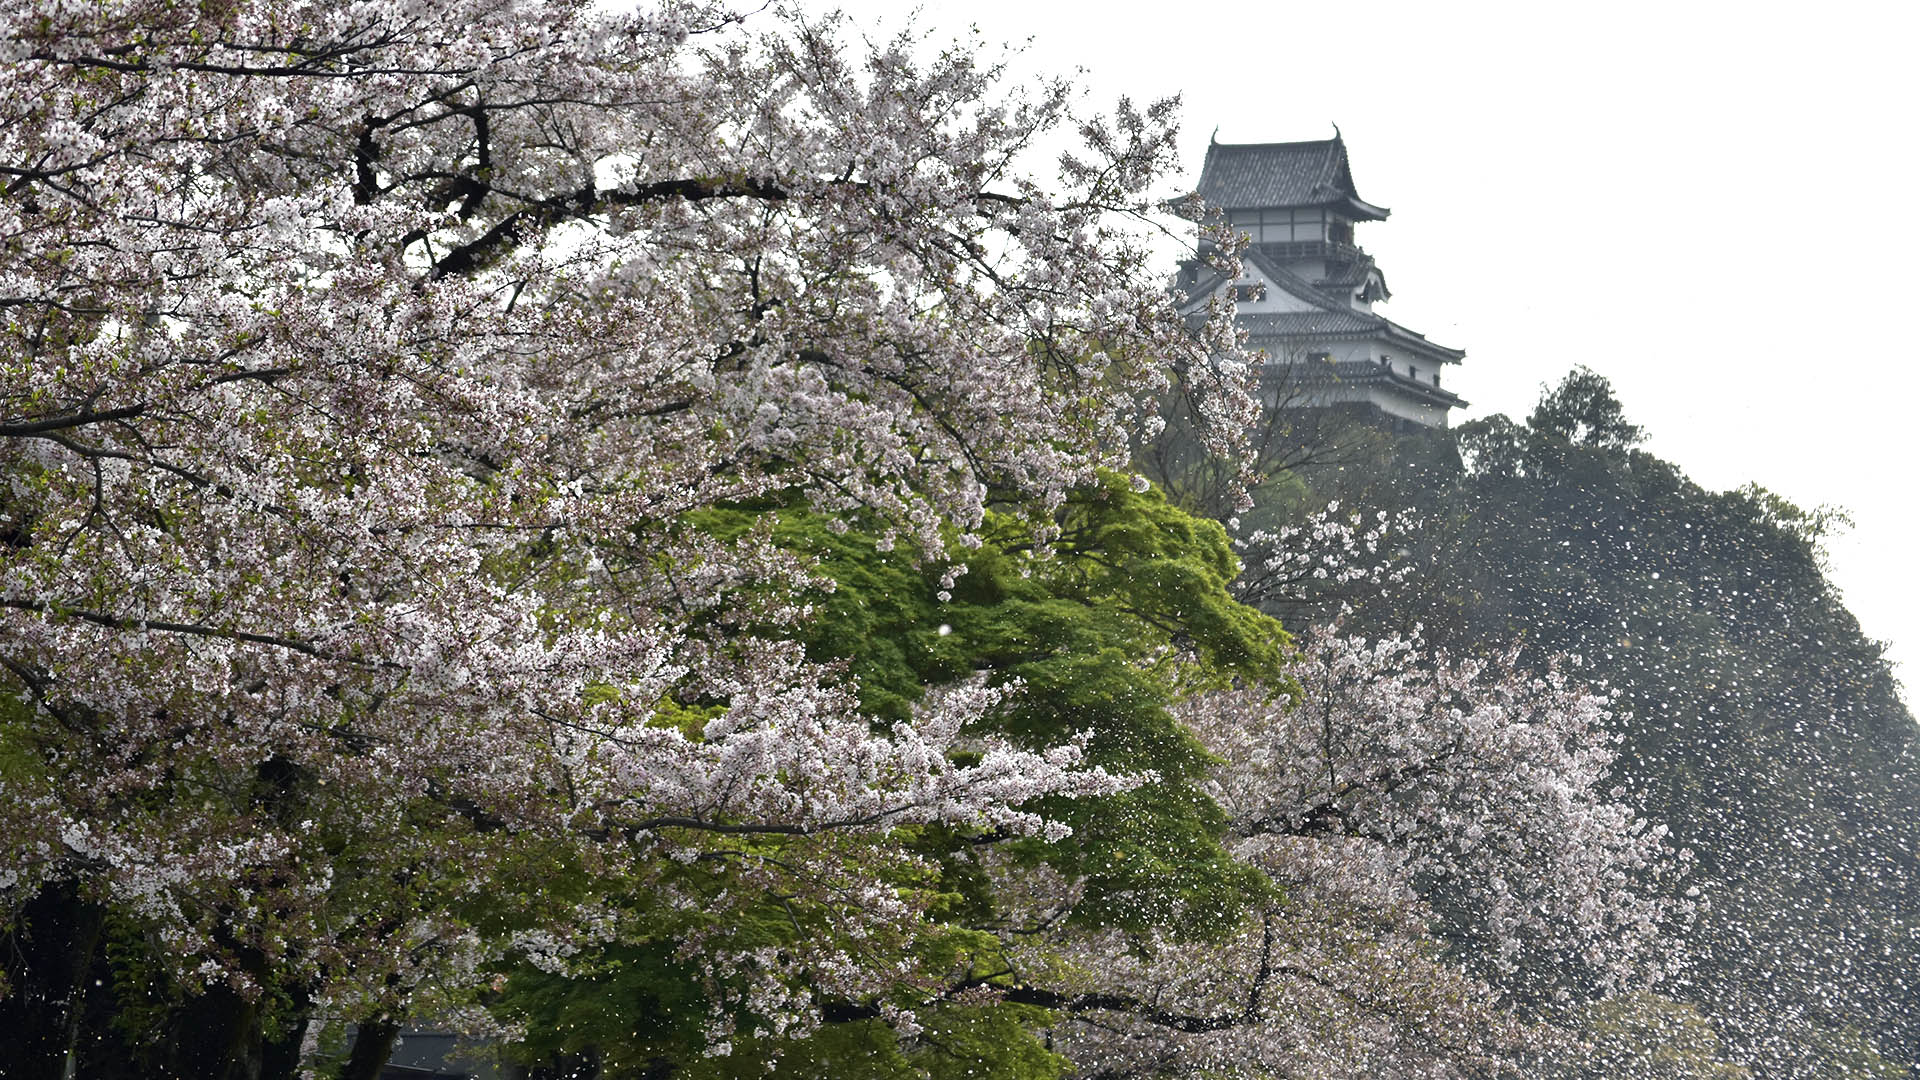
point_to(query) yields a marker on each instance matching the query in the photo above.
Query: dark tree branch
(117, 622)
(71, 420)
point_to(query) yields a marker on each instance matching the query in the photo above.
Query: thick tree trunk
(216, 1036)
(372, 1046)
(107, 1049)
(48, 951)
(280, 1057)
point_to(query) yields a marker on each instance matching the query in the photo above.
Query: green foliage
(639, 1008)
(1810, 527)
(1582, 411)
(993, 1042)
(1128, 611)
(18, 762)
(634, 1005)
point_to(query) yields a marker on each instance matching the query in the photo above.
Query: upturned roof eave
(1406, 341)
(1313, 173)
(1361, 372)
(1375, 327)
(1363, 210)
(1406, 338)
(1347, 205)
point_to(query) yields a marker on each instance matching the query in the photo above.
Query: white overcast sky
(1713, 205)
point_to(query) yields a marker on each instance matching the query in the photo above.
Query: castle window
(1279, 226)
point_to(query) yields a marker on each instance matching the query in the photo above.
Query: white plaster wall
(1385, 398)
(1418, 411)
(1276, 298)
(1291, 352)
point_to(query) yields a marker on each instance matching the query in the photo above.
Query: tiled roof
(1288, 323)
(1240, 176)
(1334, 315)
(1406, 338)
(1299, 286)
(1309, 372)
(1351, 274)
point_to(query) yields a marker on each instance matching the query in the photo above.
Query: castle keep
(1307, 291)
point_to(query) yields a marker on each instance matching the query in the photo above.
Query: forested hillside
(1757, 721)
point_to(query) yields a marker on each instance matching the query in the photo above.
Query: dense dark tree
(1758, 721)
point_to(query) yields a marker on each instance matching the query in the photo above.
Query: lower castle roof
(1354, 372)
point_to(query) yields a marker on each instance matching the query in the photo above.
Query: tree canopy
(617, 531)
(1756, 721)
(366, 370)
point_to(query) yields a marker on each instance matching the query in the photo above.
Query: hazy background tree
(1757, 721)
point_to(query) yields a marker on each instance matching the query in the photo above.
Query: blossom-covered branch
(1431, 827)
(365, 372)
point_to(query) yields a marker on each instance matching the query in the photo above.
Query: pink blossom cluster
(1434, 828)
(1295, 563)
(364, 369)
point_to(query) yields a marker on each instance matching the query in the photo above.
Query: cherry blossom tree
(371, 376)
(1434, 829)
(1304, 572)
(363, 365)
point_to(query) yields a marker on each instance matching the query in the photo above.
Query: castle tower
(1307, 290)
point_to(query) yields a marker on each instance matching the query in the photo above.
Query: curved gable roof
(1245, 176)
